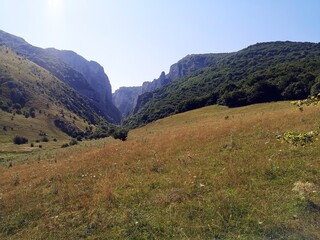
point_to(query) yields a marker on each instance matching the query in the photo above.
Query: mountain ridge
(63, 71)
(262, 72)
(33, 102)
(185, 66)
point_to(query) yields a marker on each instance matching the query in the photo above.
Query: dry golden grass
(205, 174)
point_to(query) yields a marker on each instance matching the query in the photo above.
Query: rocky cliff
(96, 78)
(126, 98)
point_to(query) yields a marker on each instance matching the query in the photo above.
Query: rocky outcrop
(96, 78)
(126, 98)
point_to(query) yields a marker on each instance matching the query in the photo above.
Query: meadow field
(211, 173)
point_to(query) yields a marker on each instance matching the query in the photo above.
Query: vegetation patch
(67, 127)
(194, 175)
(20, 140)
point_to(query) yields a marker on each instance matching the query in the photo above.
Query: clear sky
(134, 40)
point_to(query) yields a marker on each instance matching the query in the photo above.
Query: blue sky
(134, 40)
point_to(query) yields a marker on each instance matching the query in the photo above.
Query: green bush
(73, 142)
(45, 139)
(32, 112)
(121, 134)
(20, 140)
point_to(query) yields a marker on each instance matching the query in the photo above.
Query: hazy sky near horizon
(134, 40)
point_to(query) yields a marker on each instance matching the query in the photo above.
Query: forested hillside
(262, 72)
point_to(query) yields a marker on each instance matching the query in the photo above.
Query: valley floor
(212, 173)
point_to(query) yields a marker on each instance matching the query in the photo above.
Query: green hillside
(211, 173)
(62, 71)
(263, 72)
(35, 104)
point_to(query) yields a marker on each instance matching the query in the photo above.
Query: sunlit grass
(213, 173)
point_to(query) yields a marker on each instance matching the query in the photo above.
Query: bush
(79, 138)
(32, 112)
(26, 114)
(45, 139)
(64, 145)
(20, 140)
(121, 134)
(73, 142)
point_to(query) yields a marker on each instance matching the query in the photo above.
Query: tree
(121, 133)
(19, 140)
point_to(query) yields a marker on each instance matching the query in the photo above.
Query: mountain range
(201, 174)
(85, 77)
(262, 72)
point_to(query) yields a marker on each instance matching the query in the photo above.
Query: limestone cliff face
(126, 99)
(96, 78)
(156, 83)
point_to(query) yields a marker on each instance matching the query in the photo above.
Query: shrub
(45, 139)
(73, 142)
(121, 134)
(32, 112)
(64, 145)
(32, 145)
(20, 140)
(26, 114)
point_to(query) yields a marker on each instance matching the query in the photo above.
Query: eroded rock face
(126, 98)
(97, 79)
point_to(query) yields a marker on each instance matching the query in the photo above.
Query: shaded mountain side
(28, 90)
(95, 76)
(126, 98)
(262, 72)
(58, 68)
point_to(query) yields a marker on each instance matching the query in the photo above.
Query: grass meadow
(211, 173)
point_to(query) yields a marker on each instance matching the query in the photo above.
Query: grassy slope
(41, 90)
(197, 175)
